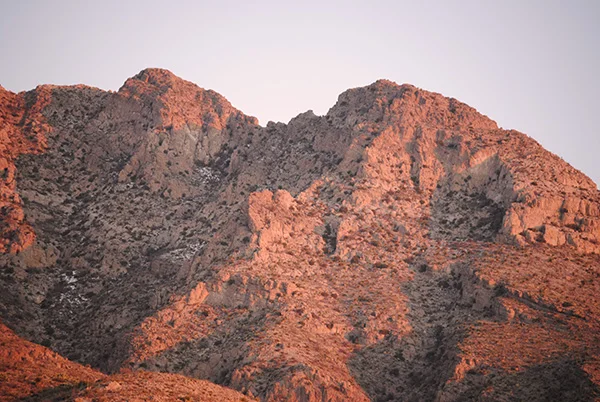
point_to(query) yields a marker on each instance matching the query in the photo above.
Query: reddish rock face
(393, 249)
(22, 131)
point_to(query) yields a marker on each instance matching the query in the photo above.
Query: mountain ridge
(388, 250)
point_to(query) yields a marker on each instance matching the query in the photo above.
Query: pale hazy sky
(529, 65)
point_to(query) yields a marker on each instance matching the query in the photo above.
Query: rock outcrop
(392, 249)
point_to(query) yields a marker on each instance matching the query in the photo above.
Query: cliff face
(392, 249)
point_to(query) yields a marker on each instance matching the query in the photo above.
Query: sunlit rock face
(392, 249)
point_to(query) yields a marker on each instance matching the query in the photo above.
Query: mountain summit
(400, 247)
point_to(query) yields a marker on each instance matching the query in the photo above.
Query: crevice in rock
(330, 238)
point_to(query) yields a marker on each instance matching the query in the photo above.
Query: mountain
(400, 247)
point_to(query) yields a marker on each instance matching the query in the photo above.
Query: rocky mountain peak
(178, 102)
(156, 76)
(386, 100)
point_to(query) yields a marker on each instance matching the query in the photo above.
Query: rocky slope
(393, 249)
(34, 373)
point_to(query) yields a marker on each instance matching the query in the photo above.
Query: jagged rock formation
(392, 249)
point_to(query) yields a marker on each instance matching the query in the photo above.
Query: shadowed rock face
(392, 249)
(472, 204)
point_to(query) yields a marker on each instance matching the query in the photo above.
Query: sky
(530, 65)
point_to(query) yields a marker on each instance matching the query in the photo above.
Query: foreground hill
(35, 373)
(401, 247)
